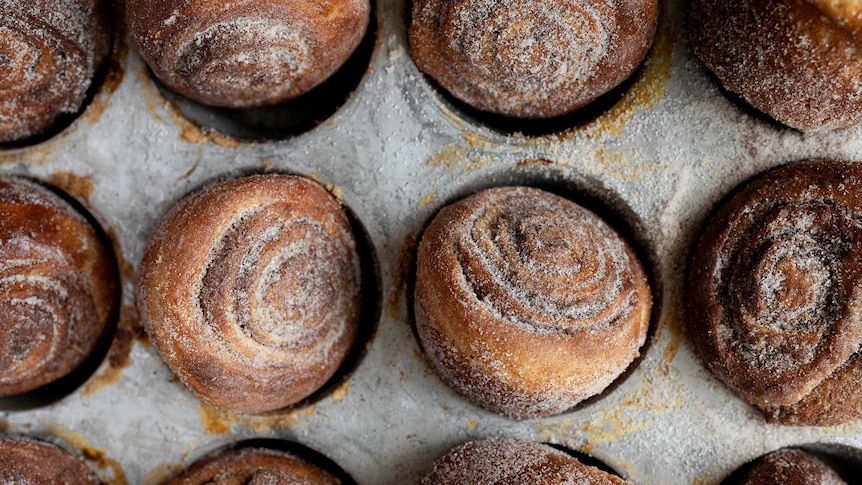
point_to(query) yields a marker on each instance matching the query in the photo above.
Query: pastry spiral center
(789, 285)
(792, 283)
(229, 59)
(18, 60)
(530, 48)
(545, 266)
(276, 288)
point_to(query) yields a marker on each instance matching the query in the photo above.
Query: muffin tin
(655, 162)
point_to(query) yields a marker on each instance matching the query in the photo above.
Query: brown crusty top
(245, 52)
(530, 58)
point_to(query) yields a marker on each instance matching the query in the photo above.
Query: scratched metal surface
(396, 151)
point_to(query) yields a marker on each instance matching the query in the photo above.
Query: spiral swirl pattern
(47, 62)
(247, 52)
(212, 58)
(530, 59)
(530, 296)
(254, 466)
(26, 461)
(269, 291)
(544, 265)
(58, 287)
(774, 303)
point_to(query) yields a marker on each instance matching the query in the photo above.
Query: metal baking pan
(655, 159)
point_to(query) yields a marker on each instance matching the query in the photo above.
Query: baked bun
(28, 462)
(47, 62)
(530, 58)
(527, 303)
(59, 289)
(245, 52)
(799, 61)
(791, 467)
(774, 305)
(254, 466)
(251, 291)
(512, 461)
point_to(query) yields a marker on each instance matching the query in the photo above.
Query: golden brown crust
(773, 304)
(791, 467)
(28, 462)
(252, 466)
(512, 461)
(58, 287)
(530, 59)
(47, 62)
(250, 290)
(527, 303)
(798, 61)
(245, 52)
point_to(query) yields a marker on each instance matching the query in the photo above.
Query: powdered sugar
(50, 50)
(523, 50)
(30, 462)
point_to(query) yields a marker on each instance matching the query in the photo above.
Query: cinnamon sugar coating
(58, 287)
(246, 52)
(527, 303)
(533, 58)
(28, 462)
(251, 291)
(254, 466)
(773, 301)
(791, 467)
(49, 53)
(513, 461)
(799, 61)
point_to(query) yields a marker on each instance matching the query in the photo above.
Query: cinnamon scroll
(791, 467)
(254, 466)
(798, 61)
(49, 53)
(513, 460)
(251, 291)
(25, 461)
(59, 289)
(247, 52)
(774, 301)
(530, 59)
(527, 303)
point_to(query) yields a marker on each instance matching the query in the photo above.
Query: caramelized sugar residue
(94, 454)
(79, 186)
(217, 421)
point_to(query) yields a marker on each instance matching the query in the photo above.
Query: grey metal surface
(669, 150)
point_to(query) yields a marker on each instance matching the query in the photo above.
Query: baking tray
(655, 159)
